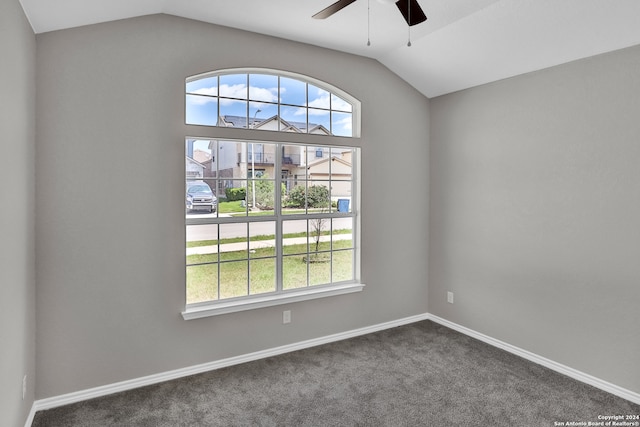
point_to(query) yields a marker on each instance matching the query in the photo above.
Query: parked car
(200, 197)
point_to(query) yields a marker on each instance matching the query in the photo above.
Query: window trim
(284, 296)
(220, 307)
(207, 309)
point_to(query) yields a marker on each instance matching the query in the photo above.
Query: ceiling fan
(410, 10)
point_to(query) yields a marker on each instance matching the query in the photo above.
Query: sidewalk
(259, 244)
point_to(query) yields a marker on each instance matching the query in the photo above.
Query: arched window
(270, 100)
(269, 221)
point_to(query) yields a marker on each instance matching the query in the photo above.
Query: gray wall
(110, 226)
(17, 224)
(535, 213)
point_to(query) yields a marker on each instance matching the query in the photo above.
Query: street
(210, 231)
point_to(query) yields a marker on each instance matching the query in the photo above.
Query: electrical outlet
(450, 297)
(286, 317)
(24, 387)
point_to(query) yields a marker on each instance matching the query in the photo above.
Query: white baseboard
(532, 357)
(32, 414)
(91, 393)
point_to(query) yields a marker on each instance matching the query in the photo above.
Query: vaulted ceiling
(464, 43)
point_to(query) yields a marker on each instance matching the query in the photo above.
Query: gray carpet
(421, 374)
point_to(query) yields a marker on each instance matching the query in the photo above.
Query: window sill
(218, 308)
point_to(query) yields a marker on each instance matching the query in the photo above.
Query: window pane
(294, 119)
(319, 268)
(294, 237)
(206, 86)
(262, 242)
(201, 110)
(234, 279)
(294, 272)
(202, 243)
(289, 180)
(340, 202)
(293, 92)
(318, 196)
(342, 233)
(200, 201)
(319, 235)
(200, 158)
(319, 122)
(234, 201)
(263, 87)
(261, 195)
(340, 104)
(233, 113)
(263, 116)
(318, 98)
(295, 200)
(341, 166)
(234, 86)
(233, 242)
(262, 276)
(202, 283)
(342, 266)
(237, 156)
(341, 124)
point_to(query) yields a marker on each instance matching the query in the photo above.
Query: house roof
(256, 123)
(326, 159)
(192, 160)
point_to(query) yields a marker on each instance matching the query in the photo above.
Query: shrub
(317, 196)
(296, 197)
(234, 194)
(265, 189)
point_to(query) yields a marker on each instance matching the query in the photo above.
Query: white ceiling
(464, 43)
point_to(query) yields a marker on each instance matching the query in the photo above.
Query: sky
(260, 96)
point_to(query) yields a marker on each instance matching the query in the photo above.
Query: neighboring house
(237, 164)
(194, 169)
(233, 165)
(338, 169)
(273, 123)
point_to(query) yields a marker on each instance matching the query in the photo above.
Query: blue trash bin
(343, 205)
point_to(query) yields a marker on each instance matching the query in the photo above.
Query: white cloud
(263, 94)
(345, 123)
(318, 112)
(340, 104)
(321, 102)
(234, 91)
(202, 100)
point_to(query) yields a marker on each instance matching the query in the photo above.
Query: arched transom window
(270, 100)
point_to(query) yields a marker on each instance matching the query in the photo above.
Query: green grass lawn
(234, 267)
(230, 207)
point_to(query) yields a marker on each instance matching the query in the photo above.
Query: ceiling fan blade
(339, 5)
(416, 14)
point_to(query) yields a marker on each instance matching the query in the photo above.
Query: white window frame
(218, 307)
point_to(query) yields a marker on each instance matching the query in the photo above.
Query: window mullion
(277, 201)
(218, 264)
(248, 260)
(355, 211)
